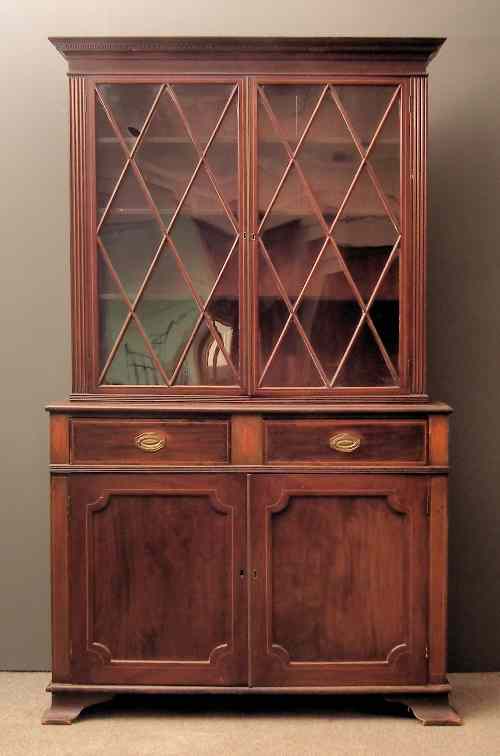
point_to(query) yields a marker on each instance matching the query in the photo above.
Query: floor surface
(234, 725)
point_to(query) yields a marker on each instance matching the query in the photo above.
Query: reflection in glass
(130, 105)
(328, 312)
(202, 106)
(365, 106)
(205, 363)
(130, 234)
(132, 364)
(110, 159)
(293, 235)
(202, 234)
(177, 185)
(292, 106)
(292, 364)
(365, 235)
(112, 311)
(385, 159)
(365, 365)
(166, 157)
(329, 159)
(167, 311)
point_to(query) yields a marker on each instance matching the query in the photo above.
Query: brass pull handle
(345, 442)
(150, 441)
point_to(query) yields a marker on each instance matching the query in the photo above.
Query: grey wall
(464, 272)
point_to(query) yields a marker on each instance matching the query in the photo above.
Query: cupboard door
(330, 242)
(157, 590)
(169, 215)
(339, 579)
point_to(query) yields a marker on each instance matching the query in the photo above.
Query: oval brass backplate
(150, 441)
(345, 442)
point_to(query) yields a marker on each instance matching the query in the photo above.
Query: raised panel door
(339, 565)
(158, 587)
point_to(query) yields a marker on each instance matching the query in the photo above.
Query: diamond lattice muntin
(167, 233)
(329, 235)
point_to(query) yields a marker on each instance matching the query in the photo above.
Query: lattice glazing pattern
(329, 233)
(168, 233)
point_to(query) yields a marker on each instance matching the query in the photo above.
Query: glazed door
(169, 214)
(158, 579)
(330, 250)
(339, 580)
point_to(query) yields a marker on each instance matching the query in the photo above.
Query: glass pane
(110, 159)
(202, 234)
(132, 364)
(384, 312)
(165, 178)
(166, 157)
(365, 235)
(385, 159)
(292, 364)
(130, 234)
(271, 163)
(205, 363)
(365, 365)
(273, 312)
(222, 157)
(129, 105)
(365, 107)
(167, 311)
(329, 158)
(202, 106)
(292, 105)
(292, 235)
(328, 312)
(223, 308)
(112, 310)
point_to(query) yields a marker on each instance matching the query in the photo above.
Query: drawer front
(149, 441)
(346, 442)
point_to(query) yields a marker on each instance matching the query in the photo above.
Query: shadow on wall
(464, 336)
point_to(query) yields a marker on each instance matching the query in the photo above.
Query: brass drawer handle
(345, 442)
(150, 441)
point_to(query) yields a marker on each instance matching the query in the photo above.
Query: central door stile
(251, 224)
(249, 572)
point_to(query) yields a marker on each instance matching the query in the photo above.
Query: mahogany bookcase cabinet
(249, 482)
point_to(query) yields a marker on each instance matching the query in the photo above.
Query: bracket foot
(429, 710)
(66, 707)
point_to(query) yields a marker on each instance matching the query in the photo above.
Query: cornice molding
(421, 49)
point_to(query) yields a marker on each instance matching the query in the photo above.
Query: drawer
(149, 441)
(347, 442)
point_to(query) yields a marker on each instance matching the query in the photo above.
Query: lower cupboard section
(233, 580)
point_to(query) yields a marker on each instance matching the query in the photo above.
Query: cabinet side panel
(61, 638)
(81, 301)
(438, 440)
(59, 439)
(438, 587)
(419, 226)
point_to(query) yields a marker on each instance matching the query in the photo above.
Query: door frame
(407, 295)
